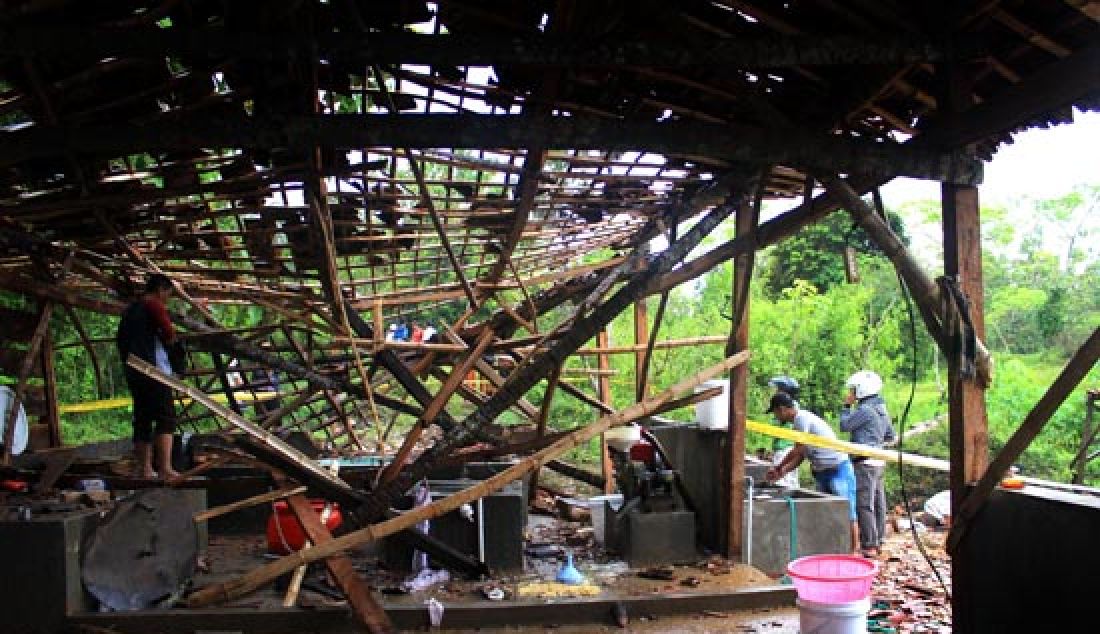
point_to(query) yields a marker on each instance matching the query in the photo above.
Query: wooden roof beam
(763, 50)
(823, 152)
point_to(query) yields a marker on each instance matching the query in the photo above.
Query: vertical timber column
(969, 434)
(49, 376)
(739, 388)
(603, 380)
(641, 339)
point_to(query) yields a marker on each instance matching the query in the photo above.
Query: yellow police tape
(126, 401)
(891, 457)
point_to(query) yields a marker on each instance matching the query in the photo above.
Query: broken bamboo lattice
(247, 583)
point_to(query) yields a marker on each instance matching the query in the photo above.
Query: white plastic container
(597, 507)
(623, 438)
(841, 618)
(714, 413)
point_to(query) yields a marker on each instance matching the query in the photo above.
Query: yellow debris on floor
(555, 590)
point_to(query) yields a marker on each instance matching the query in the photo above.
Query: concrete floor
(773, 621)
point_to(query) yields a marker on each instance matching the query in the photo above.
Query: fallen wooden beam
(229, 590)
(358, 593)
(255, 500)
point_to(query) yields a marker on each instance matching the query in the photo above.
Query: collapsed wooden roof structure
(339, 165)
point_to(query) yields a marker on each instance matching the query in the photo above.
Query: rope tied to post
(958, 328)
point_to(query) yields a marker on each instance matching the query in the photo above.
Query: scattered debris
(555, 590)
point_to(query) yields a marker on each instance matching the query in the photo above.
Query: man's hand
(772, 475)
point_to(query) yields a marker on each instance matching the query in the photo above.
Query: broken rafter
(822, 152)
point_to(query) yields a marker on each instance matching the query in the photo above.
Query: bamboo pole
(249, 582)
(260, 435)
(255, 500)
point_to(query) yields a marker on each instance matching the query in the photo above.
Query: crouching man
(832, 469)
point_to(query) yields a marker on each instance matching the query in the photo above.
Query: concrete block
(42, 570)
(505, 515)
(648, 539)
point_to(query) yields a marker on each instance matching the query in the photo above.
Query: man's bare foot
(170, 474)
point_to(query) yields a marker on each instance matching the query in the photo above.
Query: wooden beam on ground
(367, 611)
(227, 591)
(1072, 374)
(815, 151)
(760, 50)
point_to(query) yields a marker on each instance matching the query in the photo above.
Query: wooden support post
(604, 383)
(1088, 435)
(968, 427)
(739, 386)
(641, 339)
(540, 425)
(255, 500)
(358, 593)
(40, 333)
(49, 376)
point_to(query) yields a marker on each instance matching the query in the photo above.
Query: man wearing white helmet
(865, 417)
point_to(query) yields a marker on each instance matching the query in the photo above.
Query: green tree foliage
(816, 253)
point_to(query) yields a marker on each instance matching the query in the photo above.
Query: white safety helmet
(865, 383)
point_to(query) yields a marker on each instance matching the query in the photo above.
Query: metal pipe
(746, 550)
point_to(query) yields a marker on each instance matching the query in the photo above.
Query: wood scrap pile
(906, 595)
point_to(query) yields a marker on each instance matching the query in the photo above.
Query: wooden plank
(366, 610)
(1072, 374)
(255, 500)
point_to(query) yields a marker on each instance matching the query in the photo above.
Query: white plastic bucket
(714, 413)
(597, 507)
(840, 618)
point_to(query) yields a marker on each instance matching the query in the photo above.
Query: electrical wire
(881, 209)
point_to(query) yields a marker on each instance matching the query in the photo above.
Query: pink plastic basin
(832, 578)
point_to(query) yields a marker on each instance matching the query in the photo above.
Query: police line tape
(814, 440)
(126, 401)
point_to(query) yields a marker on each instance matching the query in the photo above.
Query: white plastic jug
(840, 618)
(714, 413)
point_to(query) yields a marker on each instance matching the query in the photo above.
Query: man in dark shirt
(146, 332)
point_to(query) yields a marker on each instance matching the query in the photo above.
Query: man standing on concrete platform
(864, 415)
(832, 470)
(146, 331)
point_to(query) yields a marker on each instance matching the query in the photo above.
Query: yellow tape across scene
(891, 457)
(126, 401)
